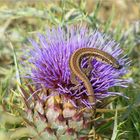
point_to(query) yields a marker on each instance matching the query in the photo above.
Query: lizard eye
(120, 66)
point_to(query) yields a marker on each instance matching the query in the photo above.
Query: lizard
(75, 62)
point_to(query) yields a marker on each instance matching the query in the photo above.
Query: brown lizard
(75, 62)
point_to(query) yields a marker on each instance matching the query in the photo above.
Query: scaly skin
(75, 61)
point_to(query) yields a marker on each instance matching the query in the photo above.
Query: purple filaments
(49, 59)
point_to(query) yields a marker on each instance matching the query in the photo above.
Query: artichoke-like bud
(57, 109)
(56, 118)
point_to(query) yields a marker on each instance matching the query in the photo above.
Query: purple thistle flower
(50, 63)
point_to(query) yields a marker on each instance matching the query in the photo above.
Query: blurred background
(21, 19)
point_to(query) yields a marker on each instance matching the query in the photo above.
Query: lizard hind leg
(73, 79)
(87, 70)
(75, 82)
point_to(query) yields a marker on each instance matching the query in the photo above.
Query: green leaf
(115, 129)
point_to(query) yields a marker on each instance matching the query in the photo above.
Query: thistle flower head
(49, 59)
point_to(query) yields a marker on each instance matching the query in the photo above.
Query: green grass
(23, 21)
